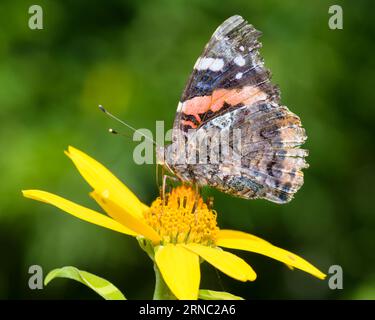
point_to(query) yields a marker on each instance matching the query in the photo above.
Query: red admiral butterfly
(230, 132)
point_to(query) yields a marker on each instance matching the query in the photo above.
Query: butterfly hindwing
(262, 161)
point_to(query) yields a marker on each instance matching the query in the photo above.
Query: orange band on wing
(200, 105)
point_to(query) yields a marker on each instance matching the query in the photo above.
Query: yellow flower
(180, 229)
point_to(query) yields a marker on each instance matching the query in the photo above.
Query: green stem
(161, 291)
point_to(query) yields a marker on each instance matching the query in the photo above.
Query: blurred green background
(134, 57)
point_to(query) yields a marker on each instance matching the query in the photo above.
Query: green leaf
(101, 286)
(217, 295)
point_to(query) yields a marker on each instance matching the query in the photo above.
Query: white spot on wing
(205, 63)
(239, 75)
(240, 61)
(242, 48)
(179, 107)
(209, 63)
(217, 65)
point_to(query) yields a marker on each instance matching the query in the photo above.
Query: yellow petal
(104, 182)
(244, 241)
(126, 219)
(180, 270)
(229, 234)
(226, 262)
(144, 207)
(78, 211)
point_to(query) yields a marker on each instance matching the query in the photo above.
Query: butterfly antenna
(125, 124)
(123, 134)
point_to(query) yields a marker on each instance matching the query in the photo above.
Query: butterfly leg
(163, 191)
(196, 199)
(164, 186)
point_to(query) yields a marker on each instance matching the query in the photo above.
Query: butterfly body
(230, 132)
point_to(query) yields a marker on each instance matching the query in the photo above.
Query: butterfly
(230, 131)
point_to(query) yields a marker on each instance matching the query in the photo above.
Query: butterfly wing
(230, 91)
(229, 72)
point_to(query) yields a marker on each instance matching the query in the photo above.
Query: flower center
(183, 217)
